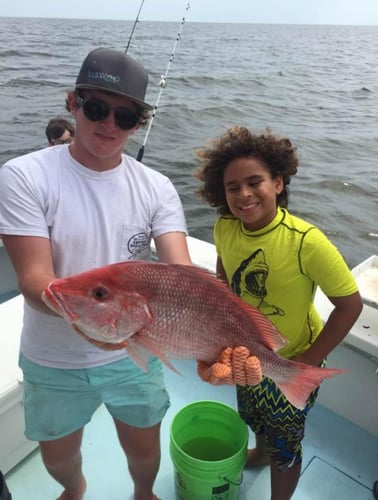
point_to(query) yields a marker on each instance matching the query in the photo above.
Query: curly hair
(277, 153)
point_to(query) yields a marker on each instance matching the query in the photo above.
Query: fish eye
(100, 292)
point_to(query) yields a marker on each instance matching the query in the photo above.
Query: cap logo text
(99, 75)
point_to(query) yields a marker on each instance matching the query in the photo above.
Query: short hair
(56, 128)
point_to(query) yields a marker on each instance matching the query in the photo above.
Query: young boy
(274, 261)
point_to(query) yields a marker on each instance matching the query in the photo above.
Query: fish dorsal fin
(271, 337)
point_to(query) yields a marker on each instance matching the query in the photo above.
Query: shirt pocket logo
(136, 244)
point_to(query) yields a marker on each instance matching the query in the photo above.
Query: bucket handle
(235, 483)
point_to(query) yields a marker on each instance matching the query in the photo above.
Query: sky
(363, 12)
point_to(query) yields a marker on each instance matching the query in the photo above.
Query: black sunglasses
(96, 110)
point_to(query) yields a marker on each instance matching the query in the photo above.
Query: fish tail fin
(303, 380)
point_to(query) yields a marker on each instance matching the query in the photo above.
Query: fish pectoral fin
(138, 354)
(144, 342)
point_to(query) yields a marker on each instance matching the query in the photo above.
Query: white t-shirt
(92, 219)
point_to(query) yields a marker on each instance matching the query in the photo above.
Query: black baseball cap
(115, 72)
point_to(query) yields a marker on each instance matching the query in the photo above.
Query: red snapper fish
(179, 312)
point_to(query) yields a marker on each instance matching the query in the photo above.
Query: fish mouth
(55, 302)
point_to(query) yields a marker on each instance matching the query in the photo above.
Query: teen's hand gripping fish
(179, 312)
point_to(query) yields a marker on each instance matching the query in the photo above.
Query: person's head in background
(59, 131)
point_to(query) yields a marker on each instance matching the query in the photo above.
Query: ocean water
(316, 84)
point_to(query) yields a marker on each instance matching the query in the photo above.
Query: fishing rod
(134, 26)
(162, 84)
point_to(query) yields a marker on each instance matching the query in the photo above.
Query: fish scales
(192, 316)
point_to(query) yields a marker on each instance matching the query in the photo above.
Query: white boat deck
(340, 458)
(340, 446)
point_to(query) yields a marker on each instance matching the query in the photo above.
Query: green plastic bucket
(208, 448)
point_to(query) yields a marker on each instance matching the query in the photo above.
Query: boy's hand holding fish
(234, 366)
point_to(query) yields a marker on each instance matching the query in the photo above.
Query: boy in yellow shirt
(274, 261)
